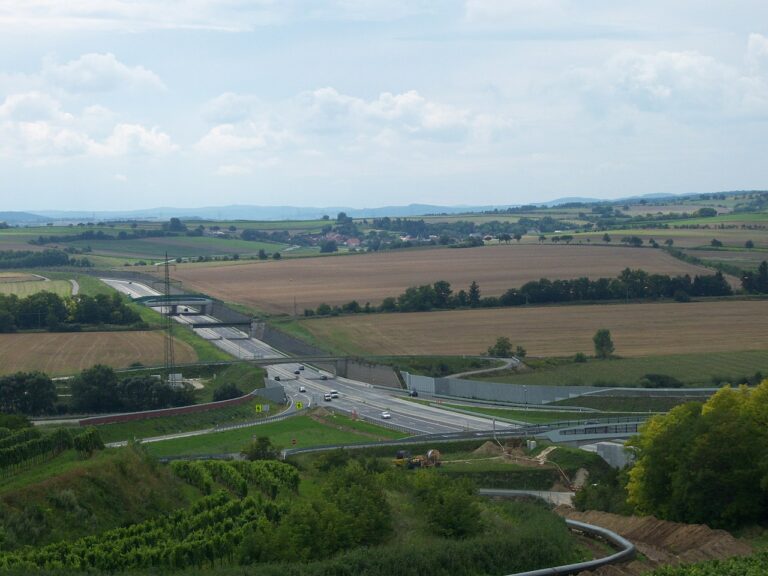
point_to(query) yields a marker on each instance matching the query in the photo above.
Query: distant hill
(245, 212)
(251, 212)
(21, 218)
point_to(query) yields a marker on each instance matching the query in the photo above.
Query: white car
(386, 415)
(302, 388)
(334, 393)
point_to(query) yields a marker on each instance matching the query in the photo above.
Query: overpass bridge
(173, 301)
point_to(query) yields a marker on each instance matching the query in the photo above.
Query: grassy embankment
(304, 429)
(694, 370)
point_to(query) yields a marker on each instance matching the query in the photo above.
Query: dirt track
(272, 286)
(661, 542)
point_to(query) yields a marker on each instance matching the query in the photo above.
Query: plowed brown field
(273, 286)
(67, 353)
(637, 329)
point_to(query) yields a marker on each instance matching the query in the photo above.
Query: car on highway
(302, 388)
(386, 415)
(277, 378)
(413, 393)
(296, 372)
(327, 397)
(334, 393)
(301, 366)
(323, 377)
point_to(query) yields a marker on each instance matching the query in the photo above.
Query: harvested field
(22, 289)
(18, 277)
(272, 286)
(637, 329)
(660, 542)
(67, 353)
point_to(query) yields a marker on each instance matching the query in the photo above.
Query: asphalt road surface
(355, 398)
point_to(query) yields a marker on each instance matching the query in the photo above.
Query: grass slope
(68, 498)
(692, 369)
(305, 430)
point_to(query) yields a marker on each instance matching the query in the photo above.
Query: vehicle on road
(413, 393)
(323, 377)
(277, 378)
(302, 388)
(386, 415)
(334, 393)
(327, 397)
(301, 366)
(297, 372)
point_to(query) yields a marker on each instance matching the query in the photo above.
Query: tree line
(29, 259)
(98, 389)
(95, 389)
(630, 284)
(50, 311)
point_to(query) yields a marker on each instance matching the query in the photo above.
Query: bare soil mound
(660, 541)
(489, 449)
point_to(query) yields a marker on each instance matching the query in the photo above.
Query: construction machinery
(404, 459)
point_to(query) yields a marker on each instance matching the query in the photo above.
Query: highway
(358, 399)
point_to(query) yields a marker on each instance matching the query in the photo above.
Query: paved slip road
(355, 397)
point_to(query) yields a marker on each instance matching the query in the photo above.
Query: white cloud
(35, 128)
(328, 119)
(32, 106)
(137, 15)
(133, 139)
(98, 73)
(230, 107)
(409, 114)
(688, 84)
(248, 136)
(757, 54)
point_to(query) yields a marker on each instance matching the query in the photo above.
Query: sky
(127, 104)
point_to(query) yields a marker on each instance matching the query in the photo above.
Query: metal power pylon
(170, 358)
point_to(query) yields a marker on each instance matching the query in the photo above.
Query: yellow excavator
(403, 459)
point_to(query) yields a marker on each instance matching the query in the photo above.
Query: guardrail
(626, 552)
(267, 420)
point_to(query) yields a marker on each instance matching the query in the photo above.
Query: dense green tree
(502, 348)
(31, 393)
(261, 449)
(95, 390)
(329, 246)
(473, 296)
(603, 343)
(706, 463)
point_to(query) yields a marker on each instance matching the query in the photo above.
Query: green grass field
(24, 289)
(533, 416)
(692, 369)
(186, 422)
(628, 403)
(175, 246)
(306, 431)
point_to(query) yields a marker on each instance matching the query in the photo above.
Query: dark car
(277, 378)
(413, 393)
